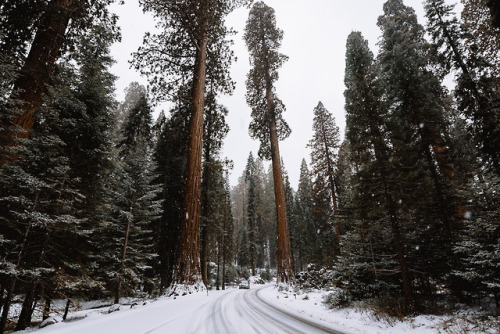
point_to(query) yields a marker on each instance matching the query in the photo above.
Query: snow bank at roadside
(357, 320)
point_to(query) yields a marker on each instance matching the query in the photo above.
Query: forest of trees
(98, 200)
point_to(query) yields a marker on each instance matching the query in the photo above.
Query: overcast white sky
(315, 32)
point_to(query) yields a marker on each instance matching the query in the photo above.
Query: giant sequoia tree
(191, 47)
(263, 40)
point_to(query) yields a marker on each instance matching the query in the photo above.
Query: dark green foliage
(479, 243)
(134, 206)
(304, 235)
(168, 58)
(170, 156)
(215, 130)
(263, 40)
(324, 149)
(20, 20)
(469, 48)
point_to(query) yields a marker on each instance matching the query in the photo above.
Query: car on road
(244, 284)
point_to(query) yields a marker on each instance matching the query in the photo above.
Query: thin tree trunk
(24, 320)
(66, 309)
(46, 308)
(224, 240)
(331, 181)
(187, 270)
(217, 282)
(2, 292)
(6, 306)
(34, 75)
(30, 299)
(122, 264)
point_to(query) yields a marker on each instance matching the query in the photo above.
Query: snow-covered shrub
(337, 299)
(266, 275)
(315, 278)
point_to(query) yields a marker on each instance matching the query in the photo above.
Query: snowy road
(244, 311)
(230, 311)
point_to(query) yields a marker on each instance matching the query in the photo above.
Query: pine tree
(324, 147)
(132, 95)
(304, 234)
(41, 192)
(263, 39)
(136, 205)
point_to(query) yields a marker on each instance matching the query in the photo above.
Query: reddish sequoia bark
(285, 264)
(187, 270)
(35, 73)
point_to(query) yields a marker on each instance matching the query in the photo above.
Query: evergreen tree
(470, 49)
(251, 211)
(135, 203)
(324, 147)
(421, 145)
(190, 48)
(263, 40)
(47, 205)
(132, 95)
(478, 247)
(366, 130)
(304, 234)
(48, 25)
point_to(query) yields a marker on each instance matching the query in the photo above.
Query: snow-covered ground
(362, 320)
(243, 311)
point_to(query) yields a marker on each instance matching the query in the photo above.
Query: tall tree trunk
(187, 271)
(66, 309)
(34, 75)
(285, 264)
(122, 264)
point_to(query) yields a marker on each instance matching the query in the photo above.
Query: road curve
(242, 311)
